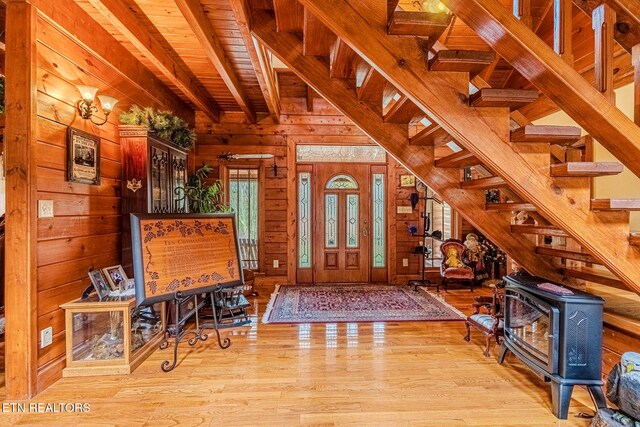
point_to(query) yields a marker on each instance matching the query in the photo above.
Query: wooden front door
(342, 223)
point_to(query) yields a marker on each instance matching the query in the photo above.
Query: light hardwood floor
(407, 373)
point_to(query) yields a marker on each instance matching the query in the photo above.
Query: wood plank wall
(324, 125)
(86, 230)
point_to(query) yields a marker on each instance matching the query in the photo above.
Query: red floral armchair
(453, 267)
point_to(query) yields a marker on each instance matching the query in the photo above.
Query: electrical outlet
(45, 208)
(405, 262)
(46, 337)
(276, 263)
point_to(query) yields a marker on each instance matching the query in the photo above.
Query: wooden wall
(324, 125)
(85, 232)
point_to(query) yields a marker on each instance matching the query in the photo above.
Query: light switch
(45, 208)
(46, 337)
(405, 262)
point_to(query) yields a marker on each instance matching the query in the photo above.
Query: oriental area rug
(355, 303)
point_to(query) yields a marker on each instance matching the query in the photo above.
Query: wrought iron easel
(426, 226)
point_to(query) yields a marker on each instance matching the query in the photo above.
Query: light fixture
(87, 107)
(431, 6)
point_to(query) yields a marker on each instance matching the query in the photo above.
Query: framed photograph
(115, 275)
(183, 254)
(83, 157)
(100, 283)
(407, 180)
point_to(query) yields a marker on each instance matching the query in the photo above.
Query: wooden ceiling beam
(203, 29)
(259, 60)
(485, 131)
(392, 137)
(553, 76)
(127, 23)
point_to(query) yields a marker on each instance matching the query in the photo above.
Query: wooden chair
(460, 273)
(490, 323)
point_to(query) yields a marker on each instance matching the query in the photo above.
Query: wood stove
(557, 332)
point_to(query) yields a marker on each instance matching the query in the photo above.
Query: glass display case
(109, 337)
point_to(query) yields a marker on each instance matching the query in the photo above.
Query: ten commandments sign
(189, 254)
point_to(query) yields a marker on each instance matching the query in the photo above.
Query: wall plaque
(187, 253)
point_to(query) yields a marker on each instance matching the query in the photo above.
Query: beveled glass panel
(353, 226)
(304, 220)
(331, 221)
(379, 232)
(342, 181)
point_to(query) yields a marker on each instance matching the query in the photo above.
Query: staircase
(544, 170)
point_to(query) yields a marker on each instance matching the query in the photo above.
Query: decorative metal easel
(179, 334)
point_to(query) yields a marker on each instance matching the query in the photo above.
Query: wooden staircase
(555, 191)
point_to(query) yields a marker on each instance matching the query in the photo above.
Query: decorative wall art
(83, 157)
(187, 253)
(407, 180)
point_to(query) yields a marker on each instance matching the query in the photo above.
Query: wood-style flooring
(404, 373)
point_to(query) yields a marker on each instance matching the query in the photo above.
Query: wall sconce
(87, 107)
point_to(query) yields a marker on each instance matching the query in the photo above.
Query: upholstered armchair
(491, 321)
(453, 267)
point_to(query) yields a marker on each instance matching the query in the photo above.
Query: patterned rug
(355, 303)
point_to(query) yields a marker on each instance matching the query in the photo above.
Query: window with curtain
(243, 199)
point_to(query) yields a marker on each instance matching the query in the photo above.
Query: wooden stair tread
(615, 204)
(562, 252)
(586, 169)
(430, 136)
(493, 97)
(621, 307)
(543, 230)
(484, 183)
(403, 111)
(471, 61)
(549, 134)
(461, 159)
(420, 24)
(589, 274)
(510, 207)
(634, 239)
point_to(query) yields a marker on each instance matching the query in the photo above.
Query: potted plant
(200, 197)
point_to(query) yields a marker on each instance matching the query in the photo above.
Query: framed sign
(407, 180)
(186, 253)
(83, 157)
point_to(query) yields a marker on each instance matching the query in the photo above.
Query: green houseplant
(203, 198)
(162, 123)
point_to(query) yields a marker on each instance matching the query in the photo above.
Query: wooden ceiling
(201, 84)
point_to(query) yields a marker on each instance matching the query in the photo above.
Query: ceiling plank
(393, 138)
(259, 61)
(203, 29)
(128, 24)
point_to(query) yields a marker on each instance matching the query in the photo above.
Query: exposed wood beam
(21, 342)
(392, 137)
(627, 29)
(554, 77)
(563, 29)
(604, 20)
(203, 29)
(127, 23)
(636, 83)
(259, 61)
(73, 21)
(341, 60)
(485, 131)
(403, 111)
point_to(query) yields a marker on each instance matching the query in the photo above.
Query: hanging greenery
(162, 123)
(203, 198)
(1, 95)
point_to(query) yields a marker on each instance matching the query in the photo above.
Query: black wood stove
(557, 332)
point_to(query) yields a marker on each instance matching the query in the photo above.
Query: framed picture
(83, 157)
(115, 274)
(407, 180)
(183, 254)
(100, 283)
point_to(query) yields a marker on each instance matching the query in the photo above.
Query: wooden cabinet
(152, 170)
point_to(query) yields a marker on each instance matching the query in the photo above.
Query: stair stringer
(483, 131)
(393, 138)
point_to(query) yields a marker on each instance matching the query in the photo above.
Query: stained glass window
(353, 227)
(304, 220)
(331, 221)
(340, 153)
(379, 231)
(342, 181)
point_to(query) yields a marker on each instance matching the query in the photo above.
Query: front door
(342, 223)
